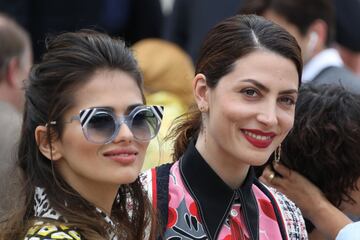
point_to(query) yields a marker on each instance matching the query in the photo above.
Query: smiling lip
(258, 138)
(123, 156)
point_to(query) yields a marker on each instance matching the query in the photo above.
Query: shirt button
(233, 213)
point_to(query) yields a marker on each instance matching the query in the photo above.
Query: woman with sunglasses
(247, 78)
(84, 136)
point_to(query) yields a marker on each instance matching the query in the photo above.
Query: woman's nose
(268, 115)
(124, 134)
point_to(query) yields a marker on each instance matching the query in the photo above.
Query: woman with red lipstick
(84, 137)
(246, 85)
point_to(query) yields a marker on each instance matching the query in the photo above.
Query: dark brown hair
(301, 13)
(323, 144)
(227, 42)
(70, 61)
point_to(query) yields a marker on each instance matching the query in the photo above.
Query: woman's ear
(201, 92)
(51, 151)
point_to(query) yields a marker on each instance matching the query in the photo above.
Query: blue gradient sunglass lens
(100, 125)
(144, 123)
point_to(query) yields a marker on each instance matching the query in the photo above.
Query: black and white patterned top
(44, 231)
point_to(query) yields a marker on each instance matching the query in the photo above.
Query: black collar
(214, 197)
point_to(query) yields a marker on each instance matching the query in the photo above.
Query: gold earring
(277, 154)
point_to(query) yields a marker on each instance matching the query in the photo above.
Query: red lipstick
(258, 138)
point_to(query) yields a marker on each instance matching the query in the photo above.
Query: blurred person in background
(167, 72)
(330, 222)
(15, 63)
(312, 23)
(190, 21)
(322, 146)
(347, 34)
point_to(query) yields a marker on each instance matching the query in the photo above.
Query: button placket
(234, 213)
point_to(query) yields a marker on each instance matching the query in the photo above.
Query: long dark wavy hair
(226, 43)
(70, 61)
(323, 144)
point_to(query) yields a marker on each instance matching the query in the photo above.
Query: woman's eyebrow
(128, 108)
(290, 91)
(257, 84)
(266, 89)
(132, 106)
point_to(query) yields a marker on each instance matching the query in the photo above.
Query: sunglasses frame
(85, 116)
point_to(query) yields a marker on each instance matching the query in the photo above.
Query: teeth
(258, 137)
(121, 155)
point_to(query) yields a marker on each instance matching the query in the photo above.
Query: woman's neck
(232, 171)
(101, 195)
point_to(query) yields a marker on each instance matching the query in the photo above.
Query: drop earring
(277, 154)
(203, 110)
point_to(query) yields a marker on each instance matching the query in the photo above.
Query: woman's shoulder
(47, 231)
(291, 214)
(148, 176)
(156, 179)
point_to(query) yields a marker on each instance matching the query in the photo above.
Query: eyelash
(255, 91)
(288, 100)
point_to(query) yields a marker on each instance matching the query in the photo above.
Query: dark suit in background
(338, 76)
